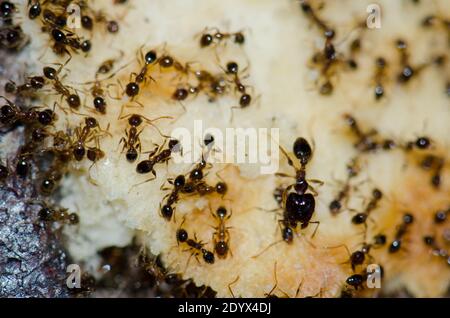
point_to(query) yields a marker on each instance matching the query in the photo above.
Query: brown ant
(232, 69)
(361, 217)
(195, 246)
(158, 155)
(435, 249)
(380, 74)
(131, 140)
(396, 244)
(214, 36)
(221, 237)
(172, 197)
(27, 89)
(365, 141)
(73, 100)
(83, 135)
(358, 257)
(335, 205)
(11, 114)
(48, 214)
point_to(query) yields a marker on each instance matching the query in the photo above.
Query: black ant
(380, 74)
(395, 246)
(214, 36)
(131, 140)
(221, 236)
(73, 100)
(299, 206)
(48, 214)
(158, 155)
(195, 246)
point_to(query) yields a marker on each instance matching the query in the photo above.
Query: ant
(232, 68)
(73, 100)
(214, 36)
(335, 205)
(437, 164)
(299, 206)
(395, 246)
(83, 135)
(365, 141)
(131, 140)
(158, 155)
(380, 74)
(435, 249)
(48, 214)
(28, 89)
(10, 114)
(361, 217)
(221, 236)
(407, 70)
(132, 89)
(195, 246)
(172, 198)
(358, 257)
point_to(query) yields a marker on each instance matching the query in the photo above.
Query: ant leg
(315, 230)
(232, 283)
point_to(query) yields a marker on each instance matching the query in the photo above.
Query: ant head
(302, 150)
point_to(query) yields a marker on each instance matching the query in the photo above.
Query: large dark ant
(396, 244)
(131, 140)
(221, 236)
(299, 206)
(73, 100)
(195, 246)
(214, 36)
